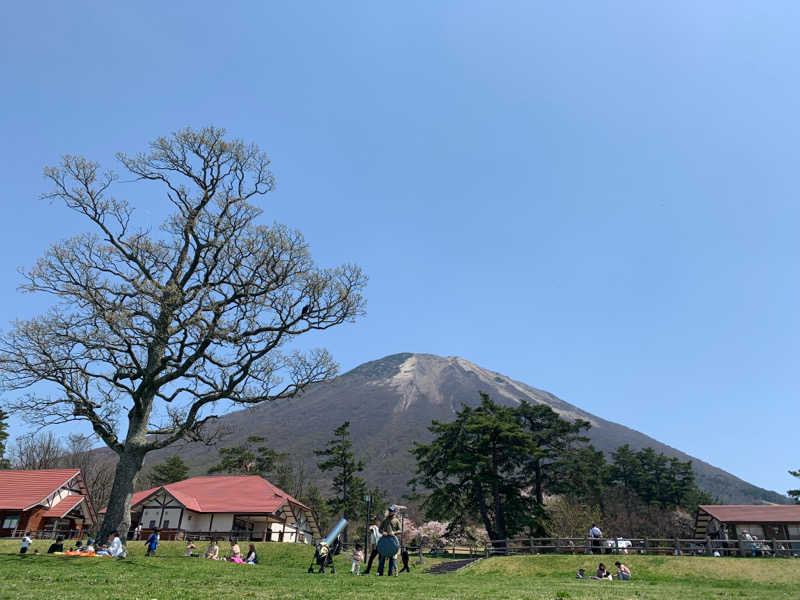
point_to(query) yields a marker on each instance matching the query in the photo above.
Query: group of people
(113, 547)
(234, 554)
(385, 545)
(623, 572)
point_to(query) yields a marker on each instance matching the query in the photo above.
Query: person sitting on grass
(57, 546)
(114, 548)
(601, 573)
(25, 542)
(212, 551)
(235, 553)
(581, 574)
(188, 550)
(89, 547)
(623, 572)
(252, 557)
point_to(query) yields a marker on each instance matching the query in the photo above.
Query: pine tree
(795, 493)
(4, 462)
(349, 488)
(475, 469)
(171, 470)
(247, 459)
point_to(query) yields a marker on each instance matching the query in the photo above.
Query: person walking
(374, 536)
(152, 543)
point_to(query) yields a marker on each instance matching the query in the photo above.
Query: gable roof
(223, 493)
(753, 513)
(24, 489)
(62, 508)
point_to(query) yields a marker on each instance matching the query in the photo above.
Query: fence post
(774, 548)
(709, 551)
(677, 549)
(644, 546)
(616, 545)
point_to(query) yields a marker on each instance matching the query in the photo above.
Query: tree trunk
(118, 512)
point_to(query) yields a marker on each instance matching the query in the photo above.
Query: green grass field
(282, 574)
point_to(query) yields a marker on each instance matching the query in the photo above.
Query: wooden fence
(673, 546)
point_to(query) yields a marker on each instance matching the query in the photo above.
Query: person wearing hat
(389, 528)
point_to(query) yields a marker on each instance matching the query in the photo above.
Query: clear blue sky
(598, 199)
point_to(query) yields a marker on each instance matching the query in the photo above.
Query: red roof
(224, 493)
(24, 489)
(753, 513)
(60, 509)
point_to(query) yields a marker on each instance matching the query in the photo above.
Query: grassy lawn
(282, 574)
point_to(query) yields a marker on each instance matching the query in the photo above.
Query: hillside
(390, 402)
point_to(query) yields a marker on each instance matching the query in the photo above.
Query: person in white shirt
(374, 536)
(25, 542)
(115, 547)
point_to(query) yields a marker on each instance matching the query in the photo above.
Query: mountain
(390, 403)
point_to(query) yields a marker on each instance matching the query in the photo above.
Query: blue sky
(596, 198)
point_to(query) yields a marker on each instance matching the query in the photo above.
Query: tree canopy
(795, 493)
(171, 470)
(475, 468)
(154, 333)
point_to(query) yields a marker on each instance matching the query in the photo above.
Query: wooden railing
(674, 546)
(46, 534)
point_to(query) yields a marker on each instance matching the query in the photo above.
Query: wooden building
(241, 506)
(764, 522)
(47, 502)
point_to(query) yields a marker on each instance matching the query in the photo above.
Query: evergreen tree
(552, 437)
(4, 462)
(171, 470)
(475, 469)
(795, 493)
(349, 488)
(247, 459)
(581, 475)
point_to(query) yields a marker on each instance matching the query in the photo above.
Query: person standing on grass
(595, 534)
(374, 536)
(389, 528)
(25, 542)
(357, 557)
(152, 543)
(623, 572)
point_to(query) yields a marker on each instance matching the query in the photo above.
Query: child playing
(188, 551)
(357, 558)
(25, 542)
(152, 543)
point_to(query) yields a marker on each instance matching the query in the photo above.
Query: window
(10, 522)
(165, 524)
(152, 524)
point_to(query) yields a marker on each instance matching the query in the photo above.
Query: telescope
(326, 548)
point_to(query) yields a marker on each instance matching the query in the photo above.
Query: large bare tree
(154, 333)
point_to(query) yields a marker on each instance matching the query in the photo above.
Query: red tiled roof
(753, 513)
(23, 489)
(60, 509)
(223, 493)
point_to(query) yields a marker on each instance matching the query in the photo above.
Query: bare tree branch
(152, 334)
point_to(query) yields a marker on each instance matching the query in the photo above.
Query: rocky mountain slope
(390, 402)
